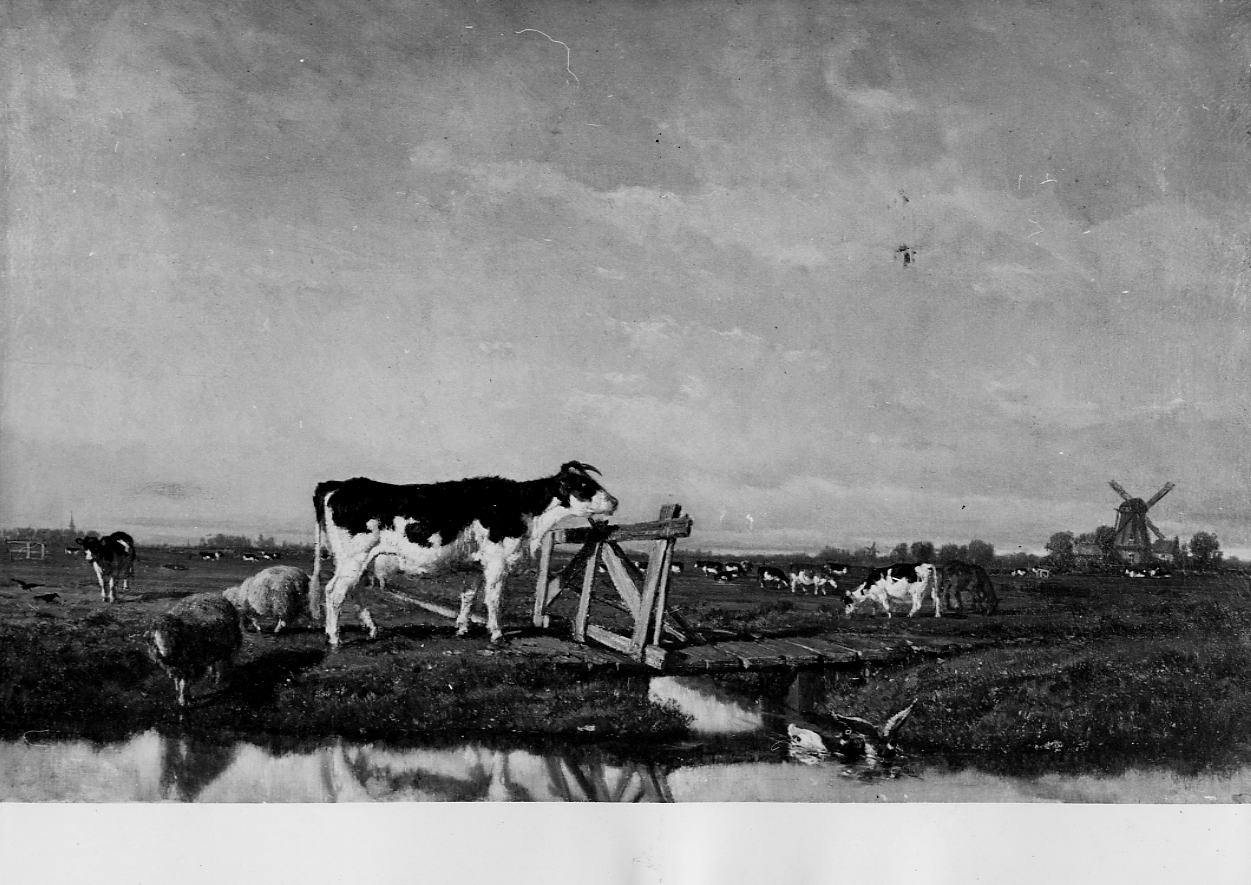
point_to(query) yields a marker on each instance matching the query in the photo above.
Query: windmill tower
(1133, 542)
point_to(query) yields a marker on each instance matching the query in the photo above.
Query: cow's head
(581, 493)
(89, 545)
(852, 598)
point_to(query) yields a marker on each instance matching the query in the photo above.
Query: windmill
(1133, 542)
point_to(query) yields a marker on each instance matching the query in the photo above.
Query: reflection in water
(152, 767)
(712, 710)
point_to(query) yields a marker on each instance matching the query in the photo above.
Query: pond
(156, 767)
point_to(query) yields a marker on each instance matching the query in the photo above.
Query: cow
(900, 581)
(835, 569)
(957, 576)
(251, 557)
(112, 557)
(771, 577)
(1040, 572)
(676, 568)
(1134, 572)
(709, 567)
(432, 526)
(801, 575)
(1019, 572)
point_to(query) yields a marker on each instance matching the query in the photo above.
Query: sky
(825, 273)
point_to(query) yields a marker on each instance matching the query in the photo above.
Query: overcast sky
(251, 246)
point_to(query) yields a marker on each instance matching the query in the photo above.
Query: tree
(922, 551)
(981, 553)
(1105, 537)
(947, 554)
(1205, 550)
(900, 553)
(1060, 547)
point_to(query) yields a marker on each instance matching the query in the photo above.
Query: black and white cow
(112, 557)
(771, 577)
(709, 567)
(902, 581)
(835, 569)
(435, 525)
(811, 576)
(676, 568)
(1019, 572)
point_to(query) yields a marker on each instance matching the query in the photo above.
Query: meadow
(1073, 670)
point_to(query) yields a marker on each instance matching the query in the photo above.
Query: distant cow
(676, 568)
(771, 577)
(112, 557)
(837, 569)
(902, 581)
(730, 571)
(956, 577)
(251, 557)
(1134, 572)
(438, 525)
(709, 567)
(1019, 572)
(810, 576)
(1040, 572)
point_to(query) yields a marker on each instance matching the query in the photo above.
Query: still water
(154, 767)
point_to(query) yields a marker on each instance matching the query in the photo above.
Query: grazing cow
(112, 557)
(1019, 572)
(730, 571)
(676, 568)
(709, 567)
(1133, 572)
(900, 581)
(251, 557)
(810, 576)
(835, 569)
(1040, 572)
(956, 577)
(437, 525)
(771, 577)
(1160, 572)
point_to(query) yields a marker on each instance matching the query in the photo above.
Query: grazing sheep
(199, 633)
(280, 591)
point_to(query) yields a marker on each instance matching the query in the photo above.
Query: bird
(26, 585)
(880, 742)
(48, 597)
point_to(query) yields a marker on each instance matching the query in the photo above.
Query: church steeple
(73, 531)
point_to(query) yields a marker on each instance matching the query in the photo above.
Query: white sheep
(201, 633)
(280, 591)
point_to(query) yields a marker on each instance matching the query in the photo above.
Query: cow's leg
(112, 588)
(180, 684)
(100, 578)
(497, 560)
(367, 619)
(345, 577)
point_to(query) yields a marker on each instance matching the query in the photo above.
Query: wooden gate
(645, 601)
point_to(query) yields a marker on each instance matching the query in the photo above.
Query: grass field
(1078, 668)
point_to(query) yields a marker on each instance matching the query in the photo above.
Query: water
(153, 767)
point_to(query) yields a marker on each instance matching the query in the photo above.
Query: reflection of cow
(475, 773)
(956, 577)
(898, 582)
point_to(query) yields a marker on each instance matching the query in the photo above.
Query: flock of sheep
(202, 633)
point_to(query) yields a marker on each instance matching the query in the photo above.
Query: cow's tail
(319, 537)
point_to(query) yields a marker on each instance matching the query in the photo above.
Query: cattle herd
(373, 531)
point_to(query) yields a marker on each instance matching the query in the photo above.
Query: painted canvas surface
(837, 402)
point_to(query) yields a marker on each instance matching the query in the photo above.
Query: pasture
(1071, 666)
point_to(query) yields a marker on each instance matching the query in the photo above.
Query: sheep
(280, 591)
(199, 633)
